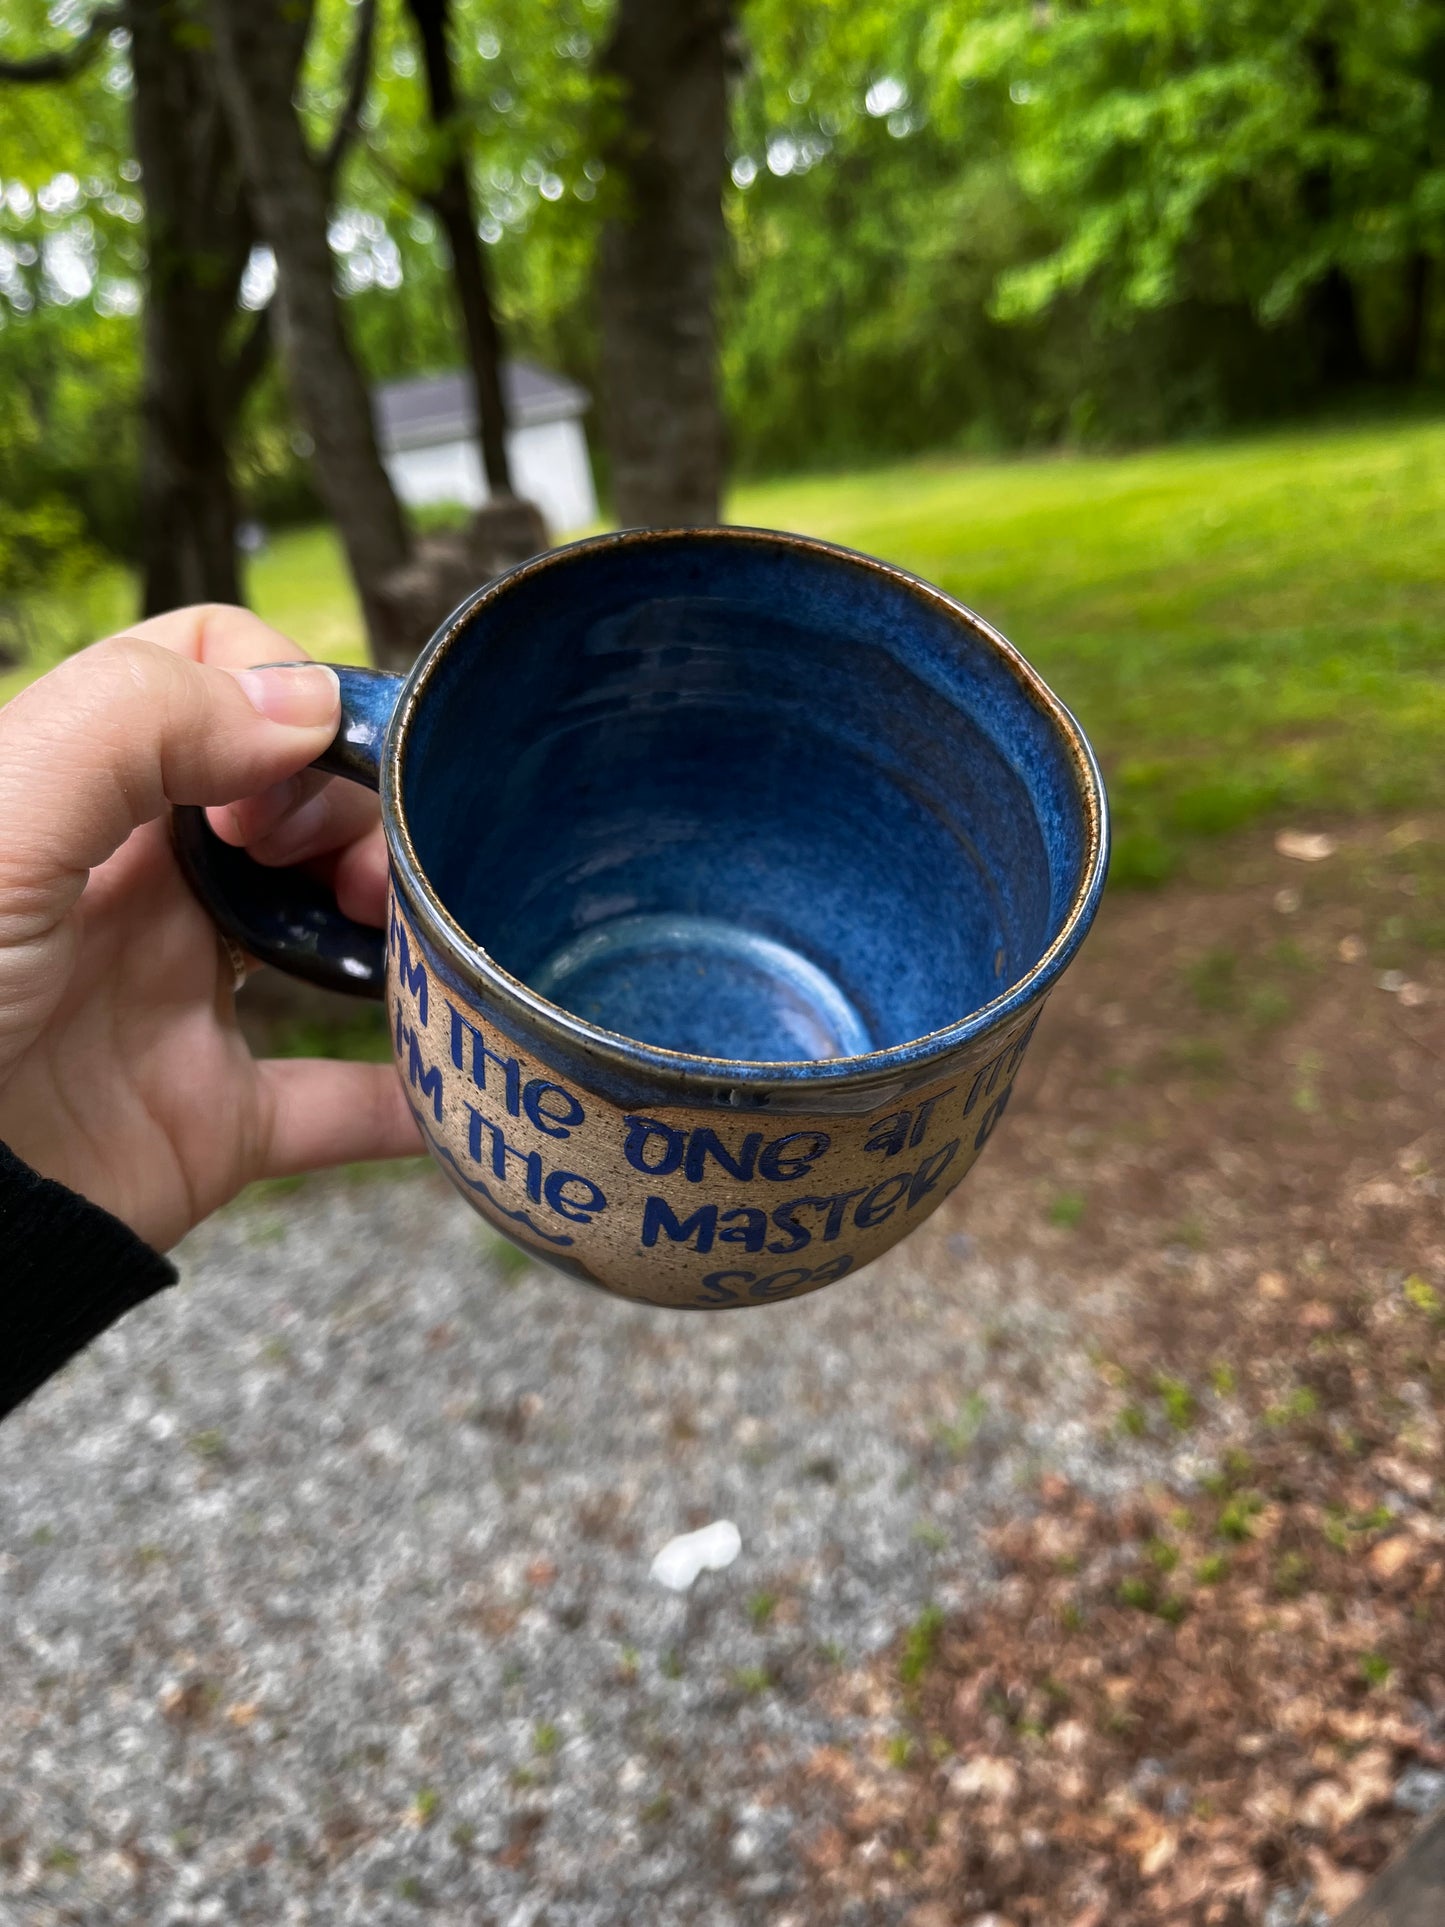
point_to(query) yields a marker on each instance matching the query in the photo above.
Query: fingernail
(303, 694)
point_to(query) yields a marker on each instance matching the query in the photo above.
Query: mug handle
(285, 917)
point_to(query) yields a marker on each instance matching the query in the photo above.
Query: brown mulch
(1179, 1703)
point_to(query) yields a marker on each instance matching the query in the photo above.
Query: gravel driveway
(326, 1577)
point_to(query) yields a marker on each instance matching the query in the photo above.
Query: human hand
(123, 1073)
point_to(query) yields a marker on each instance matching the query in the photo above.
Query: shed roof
(425, 409)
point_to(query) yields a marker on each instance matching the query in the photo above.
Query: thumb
(105, 741)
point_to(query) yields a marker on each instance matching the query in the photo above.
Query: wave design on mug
(476, 1184)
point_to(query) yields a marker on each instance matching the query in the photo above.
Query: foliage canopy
(980, 223)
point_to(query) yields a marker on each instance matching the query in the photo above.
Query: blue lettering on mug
(657, 1149)
(930, 1173)
(567, 1193)
(891, 1134)
(835, 1207)
(553, 1122)
(797, 1235)
(733, 1287)
(584, 1201)
(412, 975)
(780, 1164)
(640, 1132)
(659, 1220)
(703, 1144)
(882, 1201)
(422, 1076)
(746, 1226)
(530, 1161)
(1004, 1065)
(991, 1117)
(428, 1081)
(481, 1055)
(878, 1203)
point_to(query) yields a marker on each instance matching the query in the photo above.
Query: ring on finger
(239, 963)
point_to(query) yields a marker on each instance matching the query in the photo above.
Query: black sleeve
(67, 1270)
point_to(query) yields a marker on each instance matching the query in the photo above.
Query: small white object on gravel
(1305, 847)
(1420, 1790)
(709, 1549)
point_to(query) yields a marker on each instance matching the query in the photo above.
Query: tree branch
(66, 61)
(358, 75)
(245, 366)
(404, 183)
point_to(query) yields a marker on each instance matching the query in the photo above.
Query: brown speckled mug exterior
(688, 1204)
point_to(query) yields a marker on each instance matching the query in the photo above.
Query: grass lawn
(1246, 629)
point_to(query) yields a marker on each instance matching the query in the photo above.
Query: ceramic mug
(729, 874)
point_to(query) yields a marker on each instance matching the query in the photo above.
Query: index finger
(227, 638)
(107, 739)
(216, 634)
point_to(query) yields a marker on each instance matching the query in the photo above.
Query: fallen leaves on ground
(1181, 1700)
(1215, 1696)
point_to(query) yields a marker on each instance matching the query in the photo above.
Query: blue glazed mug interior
(745, 796)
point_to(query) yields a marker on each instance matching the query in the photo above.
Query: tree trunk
(662, 417)
(451, 201)
(1335, 327)
(191, 178)
(258, 47)
(1415, 328)
(1333, 312)
(198, 237)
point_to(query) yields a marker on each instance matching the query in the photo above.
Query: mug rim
(632, 1054)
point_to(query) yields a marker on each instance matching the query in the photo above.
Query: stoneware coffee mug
(729, 874)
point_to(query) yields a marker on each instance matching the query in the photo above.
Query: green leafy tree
(42, 534)
(71, 257)
(867, 243)
(97, 97)
(525, 119)
(1239, 153)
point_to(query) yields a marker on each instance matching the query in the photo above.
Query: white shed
(427, 428)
